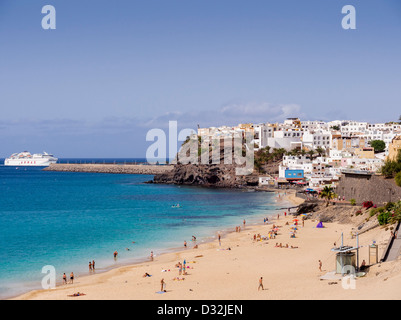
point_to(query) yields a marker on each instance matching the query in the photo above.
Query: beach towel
(160, 292)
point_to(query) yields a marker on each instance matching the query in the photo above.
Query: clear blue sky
(112, 70)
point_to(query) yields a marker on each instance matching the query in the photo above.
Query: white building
(262, 132)
(349, 127)
(314, 125)
(314, 139)
(287, 139)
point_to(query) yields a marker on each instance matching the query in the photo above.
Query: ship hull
(28, 163)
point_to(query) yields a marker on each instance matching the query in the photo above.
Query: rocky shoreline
(213, 175)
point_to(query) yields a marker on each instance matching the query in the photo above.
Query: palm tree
(278, 153)
(328, 194)
(320, 151)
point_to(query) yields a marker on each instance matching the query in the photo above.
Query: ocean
(66, 220)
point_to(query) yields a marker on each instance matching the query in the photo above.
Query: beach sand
(218, 273)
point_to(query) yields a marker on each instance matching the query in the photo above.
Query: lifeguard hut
(346, 258)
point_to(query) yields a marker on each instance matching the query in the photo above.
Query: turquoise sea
(68, 219)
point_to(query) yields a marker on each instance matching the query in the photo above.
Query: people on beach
(64, 279)
(151, 255)
(72, 278)
(219, 236)
(90, 266)
(320, 265)
(115, 254)
(77, 294)
(185, 244)
(93, 265)
(260, 283)
(162, 285)
(179, 268)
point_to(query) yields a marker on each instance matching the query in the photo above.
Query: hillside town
(313, 154)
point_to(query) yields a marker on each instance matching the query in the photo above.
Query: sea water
(67, 219)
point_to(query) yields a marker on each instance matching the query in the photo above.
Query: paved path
(395, 249)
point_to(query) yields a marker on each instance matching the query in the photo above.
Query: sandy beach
(232, 269)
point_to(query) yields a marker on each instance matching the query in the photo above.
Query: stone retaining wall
(368, 188)
(110, 168)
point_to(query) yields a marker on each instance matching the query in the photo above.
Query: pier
(111, 168)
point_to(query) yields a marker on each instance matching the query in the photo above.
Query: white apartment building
(287, 139)
(349, 127)
(314, 139)
(314, 125)
(262, 132)
(385, 135)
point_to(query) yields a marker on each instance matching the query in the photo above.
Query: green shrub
(398, 179)
(389, 206)
(383, 218)
(353, 202)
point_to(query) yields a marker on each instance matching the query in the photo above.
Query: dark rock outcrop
(213, 175)
(307, 207)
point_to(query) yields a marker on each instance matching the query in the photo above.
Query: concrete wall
(368, 188)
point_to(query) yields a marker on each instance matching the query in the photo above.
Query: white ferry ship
(27, 159)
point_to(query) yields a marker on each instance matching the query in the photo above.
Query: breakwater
(111, 168)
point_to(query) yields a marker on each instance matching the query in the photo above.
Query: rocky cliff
(212, 175)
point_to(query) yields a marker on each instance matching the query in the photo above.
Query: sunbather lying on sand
(77, 294)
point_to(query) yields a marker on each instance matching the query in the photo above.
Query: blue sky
(113, 70)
